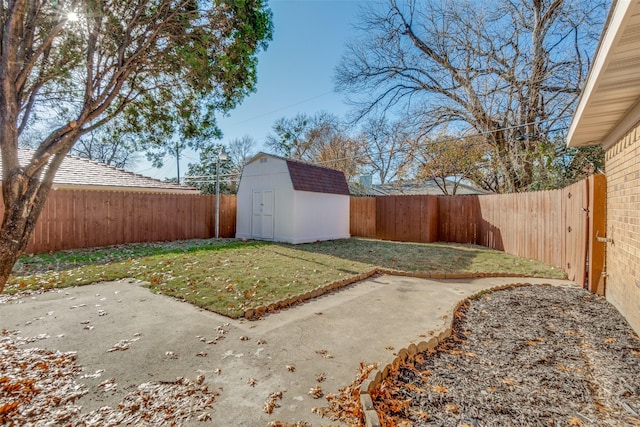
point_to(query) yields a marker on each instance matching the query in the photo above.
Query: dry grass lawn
(230, 276)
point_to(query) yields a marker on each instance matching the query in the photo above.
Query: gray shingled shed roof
(78, 173)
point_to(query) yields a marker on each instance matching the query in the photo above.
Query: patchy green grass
(432, 257)
(230, 276)
(63, 260)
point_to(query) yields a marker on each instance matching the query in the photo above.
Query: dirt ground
(527, 356)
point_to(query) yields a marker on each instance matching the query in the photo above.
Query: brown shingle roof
(308, 177)
(77, 172)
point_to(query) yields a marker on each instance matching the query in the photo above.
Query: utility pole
(221, 156)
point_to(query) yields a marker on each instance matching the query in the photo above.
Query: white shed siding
(291, 201)
(320, 216)
(272, 174)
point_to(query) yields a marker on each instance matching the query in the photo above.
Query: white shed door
(262, 219)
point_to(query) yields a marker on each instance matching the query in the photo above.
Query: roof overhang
(119, 188)
(610, 103)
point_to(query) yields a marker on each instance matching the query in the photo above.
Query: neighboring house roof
(429, 187)
(610, 102)
(79, 173)
(308, 177)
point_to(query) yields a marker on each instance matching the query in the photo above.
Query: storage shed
(290, 201)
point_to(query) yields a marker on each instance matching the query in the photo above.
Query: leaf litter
(528, 356)
(344, 406)
(38, 387)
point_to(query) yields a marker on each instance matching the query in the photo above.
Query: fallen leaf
(321, 377)
(575, 421)
(252, 382)
(202, 354)
(609, 340)
(424, 416)
(291, 368)
(244, 338)
(205, 416)
(390, 347)
(345, 405)
(272, 402)
(439, 389)
(119, 346)
(316, 392)
(325, 354)
(451, 408)
(284, 424)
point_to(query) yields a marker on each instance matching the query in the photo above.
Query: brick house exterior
(609, 114)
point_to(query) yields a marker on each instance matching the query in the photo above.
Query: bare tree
(240, 152)
(158, 64)
(387, 147)
(509, 70)
(107, 148)
(321, 138)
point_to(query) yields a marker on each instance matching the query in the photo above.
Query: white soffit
(610, 102)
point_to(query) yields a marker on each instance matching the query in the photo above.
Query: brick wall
(623, 226)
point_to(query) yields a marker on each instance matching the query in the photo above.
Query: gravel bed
(525, 356)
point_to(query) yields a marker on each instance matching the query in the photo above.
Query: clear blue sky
(295, 73)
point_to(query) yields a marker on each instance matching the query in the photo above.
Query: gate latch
(603, 239)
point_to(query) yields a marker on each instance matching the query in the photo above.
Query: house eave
(608, 106)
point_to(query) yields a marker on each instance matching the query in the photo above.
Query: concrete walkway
(368, 321)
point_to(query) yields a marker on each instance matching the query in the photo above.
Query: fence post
(597, 226)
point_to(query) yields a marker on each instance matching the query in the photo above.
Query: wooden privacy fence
(79, 219)
(557, 227)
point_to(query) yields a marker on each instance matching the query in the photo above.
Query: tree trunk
(21, 212)
(9, 254)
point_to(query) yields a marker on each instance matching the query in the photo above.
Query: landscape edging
(375, 378)
(258, 312)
